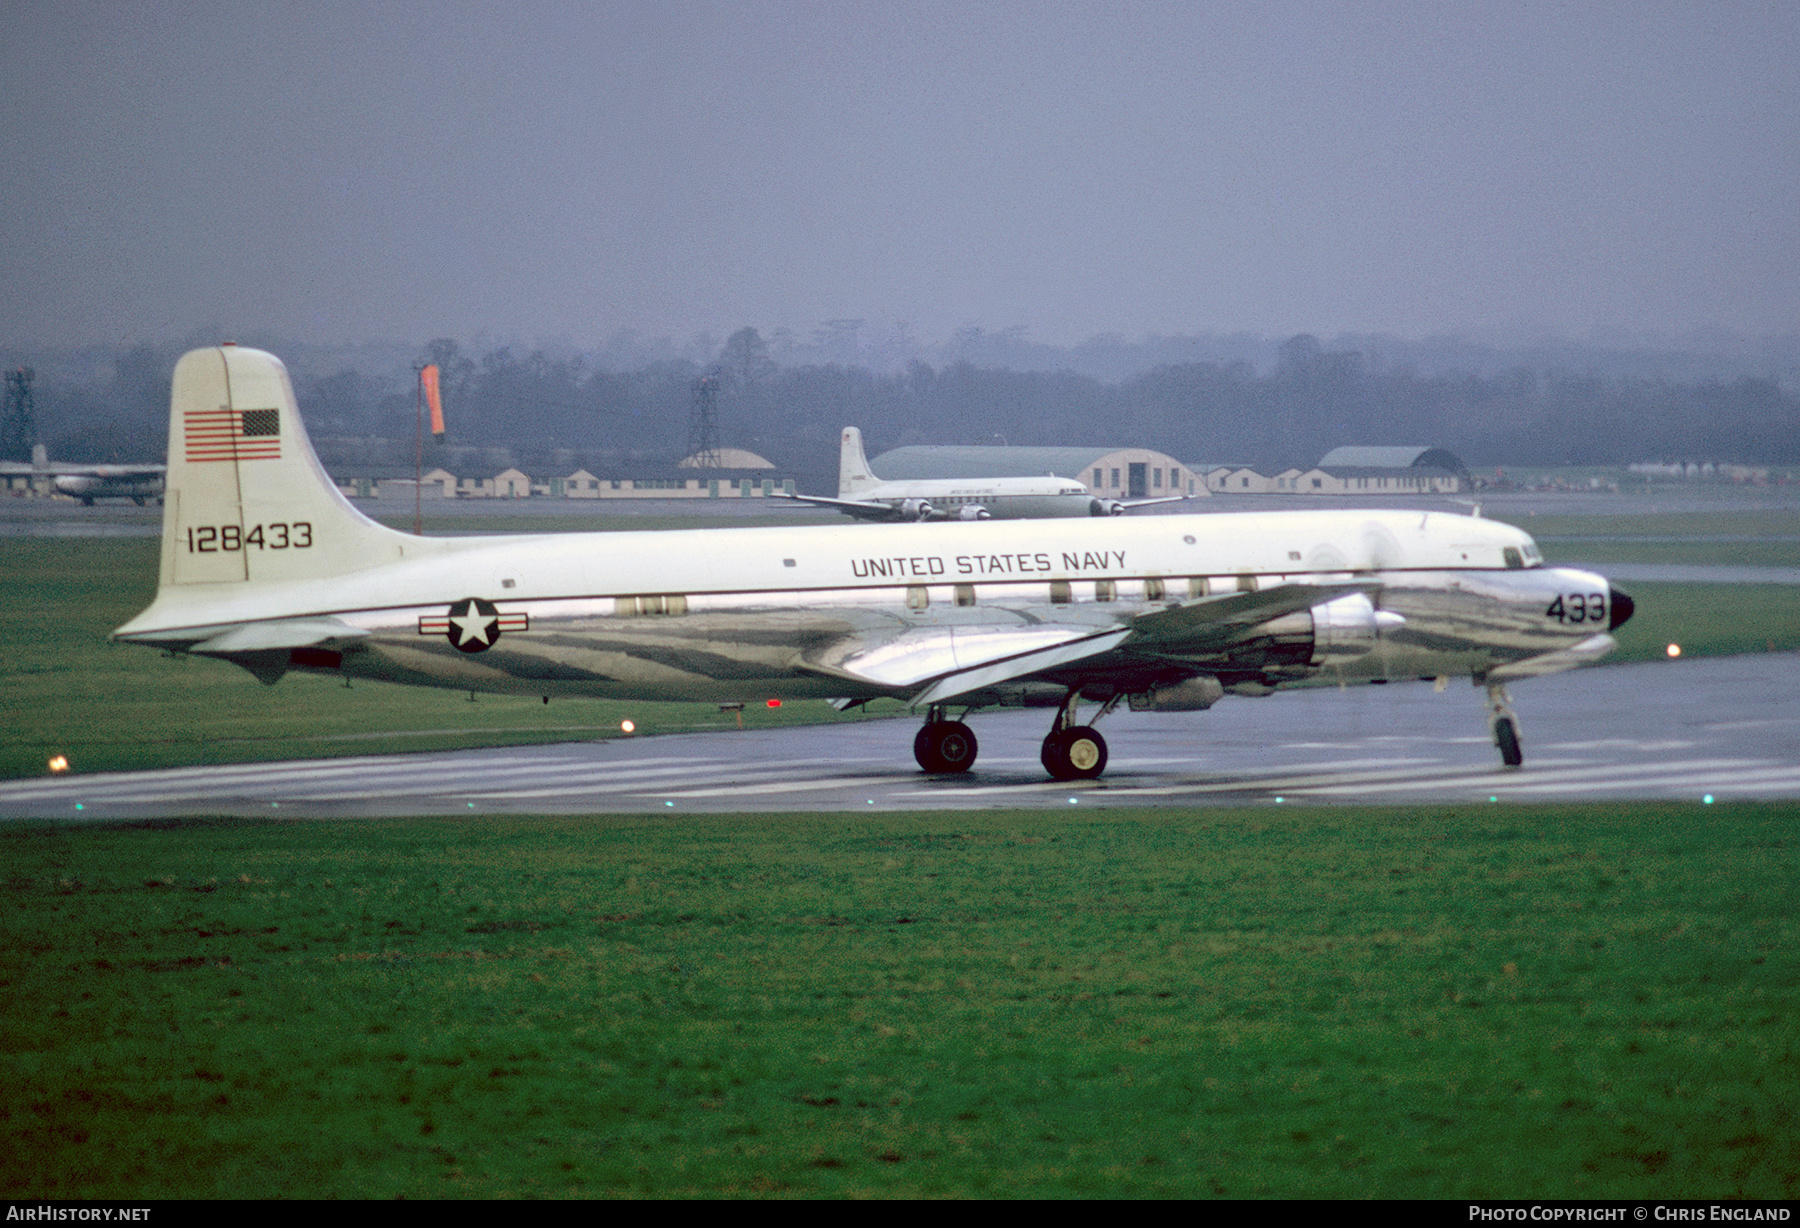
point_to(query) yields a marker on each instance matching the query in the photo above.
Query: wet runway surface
(1727, 728)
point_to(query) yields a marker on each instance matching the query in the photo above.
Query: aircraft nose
(1622, 608)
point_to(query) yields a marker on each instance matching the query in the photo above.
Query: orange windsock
(428, 376)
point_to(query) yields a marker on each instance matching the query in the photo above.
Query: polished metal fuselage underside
(751, 647)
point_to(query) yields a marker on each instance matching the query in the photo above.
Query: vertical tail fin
(853, 467)
(247, 501)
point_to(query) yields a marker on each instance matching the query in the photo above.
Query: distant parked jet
(138, 483)
(867, 497)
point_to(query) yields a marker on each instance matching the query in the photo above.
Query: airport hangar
(1117, 473)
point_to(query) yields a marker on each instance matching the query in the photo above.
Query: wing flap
(964, 681)
(924, 653)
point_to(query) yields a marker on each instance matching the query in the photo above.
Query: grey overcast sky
(330, 171)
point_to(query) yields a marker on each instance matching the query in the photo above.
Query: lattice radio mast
(703, 424)
(18, 430)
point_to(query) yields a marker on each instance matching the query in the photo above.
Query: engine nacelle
(1329, 633)
(1105, 507)
(916, 509)
(1189, 695)
(1347, 628)
(974, 511)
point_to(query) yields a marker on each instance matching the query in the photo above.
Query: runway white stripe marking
(1368, 782)
(783, 786)
(1246, 779)
(573, 779)
(214, 779)
(635, 786)
(1501, 782)
(293, 786)
(1698, 783)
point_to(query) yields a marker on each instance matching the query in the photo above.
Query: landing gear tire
(1078, 753)
(1504, 724)
(1506, 737)
(945, 746)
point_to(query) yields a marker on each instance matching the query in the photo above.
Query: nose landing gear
(1504, 723)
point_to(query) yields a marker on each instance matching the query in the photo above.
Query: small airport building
(1351, 471)
(1116, 473)
(740, 475)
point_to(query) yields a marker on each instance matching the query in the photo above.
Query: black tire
(1074, 754)
(1506, 737)
(945, 746)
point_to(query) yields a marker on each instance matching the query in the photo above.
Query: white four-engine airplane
(264, 564)
(89, 482)
(867, 497)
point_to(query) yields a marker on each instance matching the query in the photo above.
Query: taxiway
(1725, 728)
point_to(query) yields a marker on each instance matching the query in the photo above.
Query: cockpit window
(1514, 562)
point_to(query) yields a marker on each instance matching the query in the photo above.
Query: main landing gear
(1070, 752)
(944, 746)
(1505, 724)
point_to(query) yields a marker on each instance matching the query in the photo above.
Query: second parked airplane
(867, 497)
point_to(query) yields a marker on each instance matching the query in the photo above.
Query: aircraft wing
(850, 507)
(1212, 623)
(954, 661)
(1153, 502)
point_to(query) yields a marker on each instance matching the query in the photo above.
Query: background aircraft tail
(853, 467)
(247, 501)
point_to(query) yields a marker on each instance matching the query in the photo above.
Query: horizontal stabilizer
(269, 636)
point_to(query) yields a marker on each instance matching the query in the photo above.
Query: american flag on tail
(226, 434)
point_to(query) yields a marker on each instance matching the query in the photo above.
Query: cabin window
(1106, 590)
(1059, 592)
(965, 594)
(916, 597)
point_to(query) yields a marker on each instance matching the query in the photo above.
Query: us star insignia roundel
(472, 625)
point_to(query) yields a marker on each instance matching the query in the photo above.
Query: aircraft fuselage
(754, 614)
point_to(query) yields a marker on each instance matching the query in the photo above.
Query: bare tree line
(550, 406)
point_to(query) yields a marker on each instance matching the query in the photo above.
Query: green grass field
(1442, 1002)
